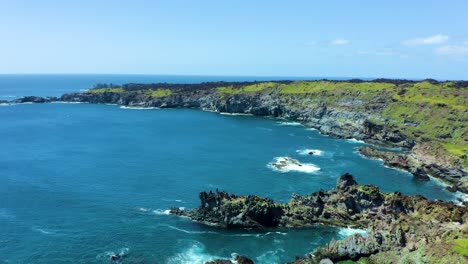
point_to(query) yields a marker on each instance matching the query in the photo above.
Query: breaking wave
(284, 123)
(138, 107)
(348, 231)
(193, 253)
(355, 141)
(162, 212)
(287, 164)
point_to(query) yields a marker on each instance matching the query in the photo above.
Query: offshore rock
(34, 99)
(237, 259)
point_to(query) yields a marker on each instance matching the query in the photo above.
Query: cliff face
(389, 114)
(340, 121)
(397, 225)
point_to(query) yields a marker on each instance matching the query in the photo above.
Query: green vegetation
(230, 90)
(107, 90)
(461, 246)
(431, 112)
(158, 92)
(337, 90)
(424, 111)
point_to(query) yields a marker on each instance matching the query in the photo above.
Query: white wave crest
(264, 128)
(355, 141)
(138, 107)
(286, 164)
(173, 200)
(271, 256)
(284, 123)
(43, 231)
(108, 254)
(162, 212)
(143, 209)
(63, 102)
(459, 198)
(314, 152)
(348, 231)
(235, 114)
(194, 254)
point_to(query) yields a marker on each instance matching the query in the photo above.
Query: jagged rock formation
(395, 223)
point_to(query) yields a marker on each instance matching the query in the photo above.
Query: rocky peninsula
(426, 119)
(399, 228)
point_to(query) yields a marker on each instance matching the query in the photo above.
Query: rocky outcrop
(228, 210)
(237, 259)
(34, 99)
(395, 223)
(457, 179)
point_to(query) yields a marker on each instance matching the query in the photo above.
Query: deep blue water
(79, 181)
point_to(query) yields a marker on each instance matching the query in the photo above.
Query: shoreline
(336, 133)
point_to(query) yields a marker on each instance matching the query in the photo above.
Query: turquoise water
(80, 181)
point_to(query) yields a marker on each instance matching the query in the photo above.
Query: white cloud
(431, 40)
(340, 42)
(453, 49)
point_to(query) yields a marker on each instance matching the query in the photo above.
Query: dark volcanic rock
(394, 222)
(237, 259)
(219, 261)
(34, 99)
(345, 181)
(228, 210)
(458, 178)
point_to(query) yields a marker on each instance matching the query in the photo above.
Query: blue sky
(397, 39)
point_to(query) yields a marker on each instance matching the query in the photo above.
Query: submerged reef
(398, 226)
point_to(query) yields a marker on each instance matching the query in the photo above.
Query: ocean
(80, 182)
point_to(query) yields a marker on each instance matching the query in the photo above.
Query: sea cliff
(426, 120)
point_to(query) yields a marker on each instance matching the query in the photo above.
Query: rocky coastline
(350, 114)
(398, 227)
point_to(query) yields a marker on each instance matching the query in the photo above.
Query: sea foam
(315, 152)
(235, 114)
(284, 123)
(162, 212)
(138, 107)
(286, 164)
(348, 231)
(193, 254)
(355, 141)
